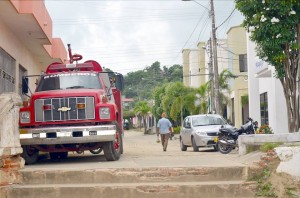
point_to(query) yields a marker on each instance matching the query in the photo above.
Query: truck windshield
(69, 81)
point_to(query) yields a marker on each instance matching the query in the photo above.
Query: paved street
(141, 151)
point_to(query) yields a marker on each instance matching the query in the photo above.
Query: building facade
(26, 43)
(232, 55)
(266, 98)
(237, 64)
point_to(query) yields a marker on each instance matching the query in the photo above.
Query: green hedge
(177, 129)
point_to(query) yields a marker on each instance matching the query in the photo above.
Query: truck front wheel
(112, 150)
(30, 154)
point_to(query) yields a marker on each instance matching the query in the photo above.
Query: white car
(200, 131)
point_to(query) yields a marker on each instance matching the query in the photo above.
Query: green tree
(141, 83)
(202, 97)
(224, 99)
(175, 101)
(158, 95)
(274, 26)
(172, 100)
(142, 109)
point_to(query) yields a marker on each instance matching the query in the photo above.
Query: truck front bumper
(67, 135)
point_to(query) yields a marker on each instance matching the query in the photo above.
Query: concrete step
(135, 175)
(136, 190)
(168, 182)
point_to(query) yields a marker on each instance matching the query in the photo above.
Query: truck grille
(58, 109)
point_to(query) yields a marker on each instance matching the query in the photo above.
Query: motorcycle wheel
(224, 149)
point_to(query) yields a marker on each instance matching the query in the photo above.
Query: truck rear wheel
(112, 150)
(30, 154)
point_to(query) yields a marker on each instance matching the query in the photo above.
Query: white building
(266, 98)
(194, 68)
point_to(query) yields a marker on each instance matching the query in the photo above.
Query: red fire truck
(75, 107)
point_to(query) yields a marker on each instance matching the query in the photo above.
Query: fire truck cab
(75, 107)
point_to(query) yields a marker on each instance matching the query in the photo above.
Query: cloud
(130, 35)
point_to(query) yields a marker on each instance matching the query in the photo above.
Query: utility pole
(215, 59)
(211, 77)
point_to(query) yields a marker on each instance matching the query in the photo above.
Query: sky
(127, 36)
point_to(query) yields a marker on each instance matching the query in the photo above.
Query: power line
(203, 28)
(188, 38)
(226, 18)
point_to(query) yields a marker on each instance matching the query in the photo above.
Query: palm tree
(201, 93)
(173, 101)
(142, 109)
(224, 77)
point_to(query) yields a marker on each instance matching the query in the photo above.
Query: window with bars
(22, 72)
(243, 63)
(264, 115)
(7, 72)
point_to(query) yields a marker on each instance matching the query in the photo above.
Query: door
(187, 132)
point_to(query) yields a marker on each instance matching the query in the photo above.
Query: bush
(269, 146)
(264, 129)
(177, 130)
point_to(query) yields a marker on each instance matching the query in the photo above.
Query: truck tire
(58, 155)
(112, 150)
(121, 139)
(30, 155)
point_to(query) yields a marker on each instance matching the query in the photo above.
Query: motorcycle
(227, 137)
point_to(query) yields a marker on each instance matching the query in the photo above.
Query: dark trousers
(164, 140)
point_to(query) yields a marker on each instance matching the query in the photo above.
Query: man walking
(164, 127)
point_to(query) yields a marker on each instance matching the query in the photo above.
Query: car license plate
(216, 139)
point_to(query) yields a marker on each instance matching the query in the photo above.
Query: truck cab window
(69, 81)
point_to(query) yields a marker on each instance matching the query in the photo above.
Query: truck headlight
(25, 117)
(104, 113)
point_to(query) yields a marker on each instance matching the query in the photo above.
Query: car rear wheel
(195, 147)
(182, 146)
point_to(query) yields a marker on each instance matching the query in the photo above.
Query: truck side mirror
(25, 85)
(119, 82)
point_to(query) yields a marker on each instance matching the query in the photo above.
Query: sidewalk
(142, 151)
